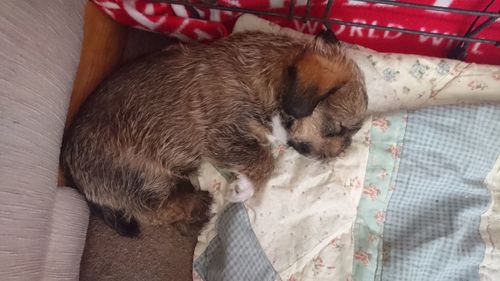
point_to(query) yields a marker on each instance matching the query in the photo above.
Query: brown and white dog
(149, 125)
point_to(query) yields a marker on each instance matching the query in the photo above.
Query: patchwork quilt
(416, 196)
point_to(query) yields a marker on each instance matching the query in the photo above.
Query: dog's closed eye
(338, 129)
(331, 134)
(332, 129)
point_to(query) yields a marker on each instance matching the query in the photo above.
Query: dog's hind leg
(192, 210)
(186, 208)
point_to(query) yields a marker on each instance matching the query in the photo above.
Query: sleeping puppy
(149, 125)
(329, 129)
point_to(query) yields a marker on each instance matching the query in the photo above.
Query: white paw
(240, 190)
(279, 133)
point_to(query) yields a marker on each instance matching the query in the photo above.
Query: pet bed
(416, 197)
(43, 227)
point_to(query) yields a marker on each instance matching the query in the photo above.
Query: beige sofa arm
(42, 228)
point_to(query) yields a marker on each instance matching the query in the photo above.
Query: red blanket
(180, 22)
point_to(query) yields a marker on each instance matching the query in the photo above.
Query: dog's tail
(116, 220)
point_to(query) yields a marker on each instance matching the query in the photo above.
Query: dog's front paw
(240, 190)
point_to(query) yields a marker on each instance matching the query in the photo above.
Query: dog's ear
(327, 36)
(311, 79)
(326, 44)
(299, 99)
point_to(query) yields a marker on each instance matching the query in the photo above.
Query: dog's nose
(347, 142)
(301, 147)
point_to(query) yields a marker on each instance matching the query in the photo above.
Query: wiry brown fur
(150, 124)
(329, 129)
